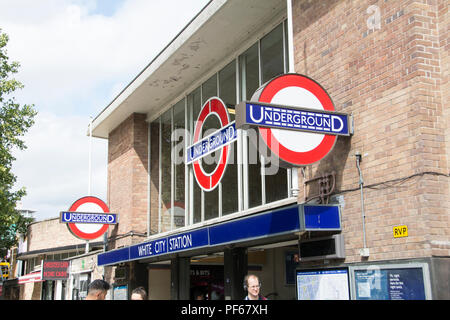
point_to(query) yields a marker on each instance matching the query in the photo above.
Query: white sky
(76, 56)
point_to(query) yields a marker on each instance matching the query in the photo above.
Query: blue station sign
(88, 217)
(185, 241)
(292, 118)
(213, 142)
(287, 220)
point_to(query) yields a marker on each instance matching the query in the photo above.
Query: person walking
(139, 294)
(97, 290)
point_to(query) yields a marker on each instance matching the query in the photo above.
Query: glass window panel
(249, 75)
(194, 105)
(227, 92)
(227, 87)
(209, 163)
(212, 203)
(178, 157)
(209, 88)
(166, 170)
(230, 201)
(249, 72)
(286, 47)
(272, 54)
(272, 60)
(254, 170)
(276, 184)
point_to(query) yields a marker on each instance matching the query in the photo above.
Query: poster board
(323, 284)
(120, 292)
(391, 282)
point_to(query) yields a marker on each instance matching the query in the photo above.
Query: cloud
(76, 56)
(68, 50)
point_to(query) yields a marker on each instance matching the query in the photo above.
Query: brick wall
(154, 174)
(41, 235)
(391, 73)
(127, 179)
(31, 291)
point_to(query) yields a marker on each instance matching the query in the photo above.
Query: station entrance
(219, 276)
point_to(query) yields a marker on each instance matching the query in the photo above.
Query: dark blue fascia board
(285, 220)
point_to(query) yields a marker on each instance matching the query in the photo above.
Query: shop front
(83, 270)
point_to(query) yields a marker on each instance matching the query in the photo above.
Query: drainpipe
(365, 251)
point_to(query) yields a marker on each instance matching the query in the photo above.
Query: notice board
(120, 292)
(391, 282)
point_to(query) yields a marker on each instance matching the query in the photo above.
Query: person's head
(252, 285)
(97, 290)
(139, 294)
(199, 295)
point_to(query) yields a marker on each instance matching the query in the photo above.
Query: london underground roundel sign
(296, 148)
(88, 231)
(213, 107)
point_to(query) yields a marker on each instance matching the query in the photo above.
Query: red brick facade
(127, 179)
(393, 78)
(41, 236)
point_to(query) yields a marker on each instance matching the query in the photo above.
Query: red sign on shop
(55, 270)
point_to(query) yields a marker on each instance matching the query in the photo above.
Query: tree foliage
(15, 120)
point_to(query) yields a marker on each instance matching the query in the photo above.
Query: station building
(385, 63)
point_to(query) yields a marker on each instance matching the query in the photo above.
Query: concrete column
(180, 279)
(235, 269)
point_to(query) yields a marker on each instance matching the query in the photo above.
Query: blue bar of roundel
(321, 217)
(86, 215)
(113, 256)
(262, 225)
(256, 116)
(205, 146)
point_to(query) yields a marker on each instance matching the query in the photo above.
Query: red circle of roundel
(75, 230)
(209, 182)
(285, 154)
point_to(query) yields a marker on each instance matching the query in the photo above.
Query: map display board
(323, 284)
